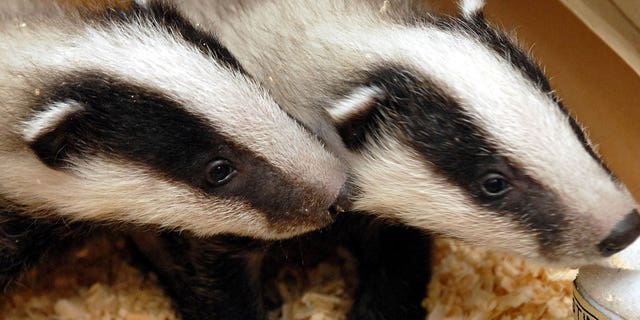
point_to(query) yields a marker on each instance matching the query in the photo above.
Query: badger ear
(355, 105)
(471, 8)
(142, 3)
(47, 131)
(355, 114)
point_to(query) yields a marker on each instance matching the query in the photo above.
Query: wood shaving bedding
(98, 281)
(473, 283)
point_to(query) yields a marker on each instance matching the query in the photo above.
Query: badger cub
(449, 127)
(133, 117)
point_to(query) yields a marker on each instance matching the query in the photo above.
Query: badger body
(131, 118)
(446, 124)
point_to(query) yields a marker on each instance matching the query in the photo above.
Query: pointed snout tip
(343, 202)
(623, 234)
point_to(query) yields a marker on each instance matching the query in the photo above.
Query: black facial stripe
(135, 123)
(423, 116)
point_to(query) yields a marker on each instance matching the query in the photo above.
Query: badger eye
(219, 172)
(495, 185)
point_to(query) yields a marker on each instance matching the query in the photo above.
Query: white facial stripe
(48, 119)
(140, 198)
(396, 183)
(237, 107)
(356, 102)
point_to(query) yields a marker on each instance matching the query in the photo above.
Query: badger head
(139, 117)
(454, 129)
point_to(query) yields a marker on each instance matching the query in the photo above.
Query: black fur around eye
(219, 172)
(495, 185)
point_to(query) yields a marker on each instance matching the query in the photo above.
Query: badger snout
(343, 201)
(310, 206)
(622, 235)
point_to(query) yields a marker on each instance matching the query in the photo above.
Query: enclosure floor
(98, 281)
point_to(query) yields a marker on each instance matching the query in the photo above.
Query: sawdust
(472, 283)
(98, 281)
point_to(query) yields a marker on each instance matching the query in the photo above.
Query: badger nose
(622, 235)
(342, 203)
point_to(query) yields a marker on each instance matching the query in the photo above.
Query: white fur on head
(47, 120)
(470, 8)
(143, 198)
